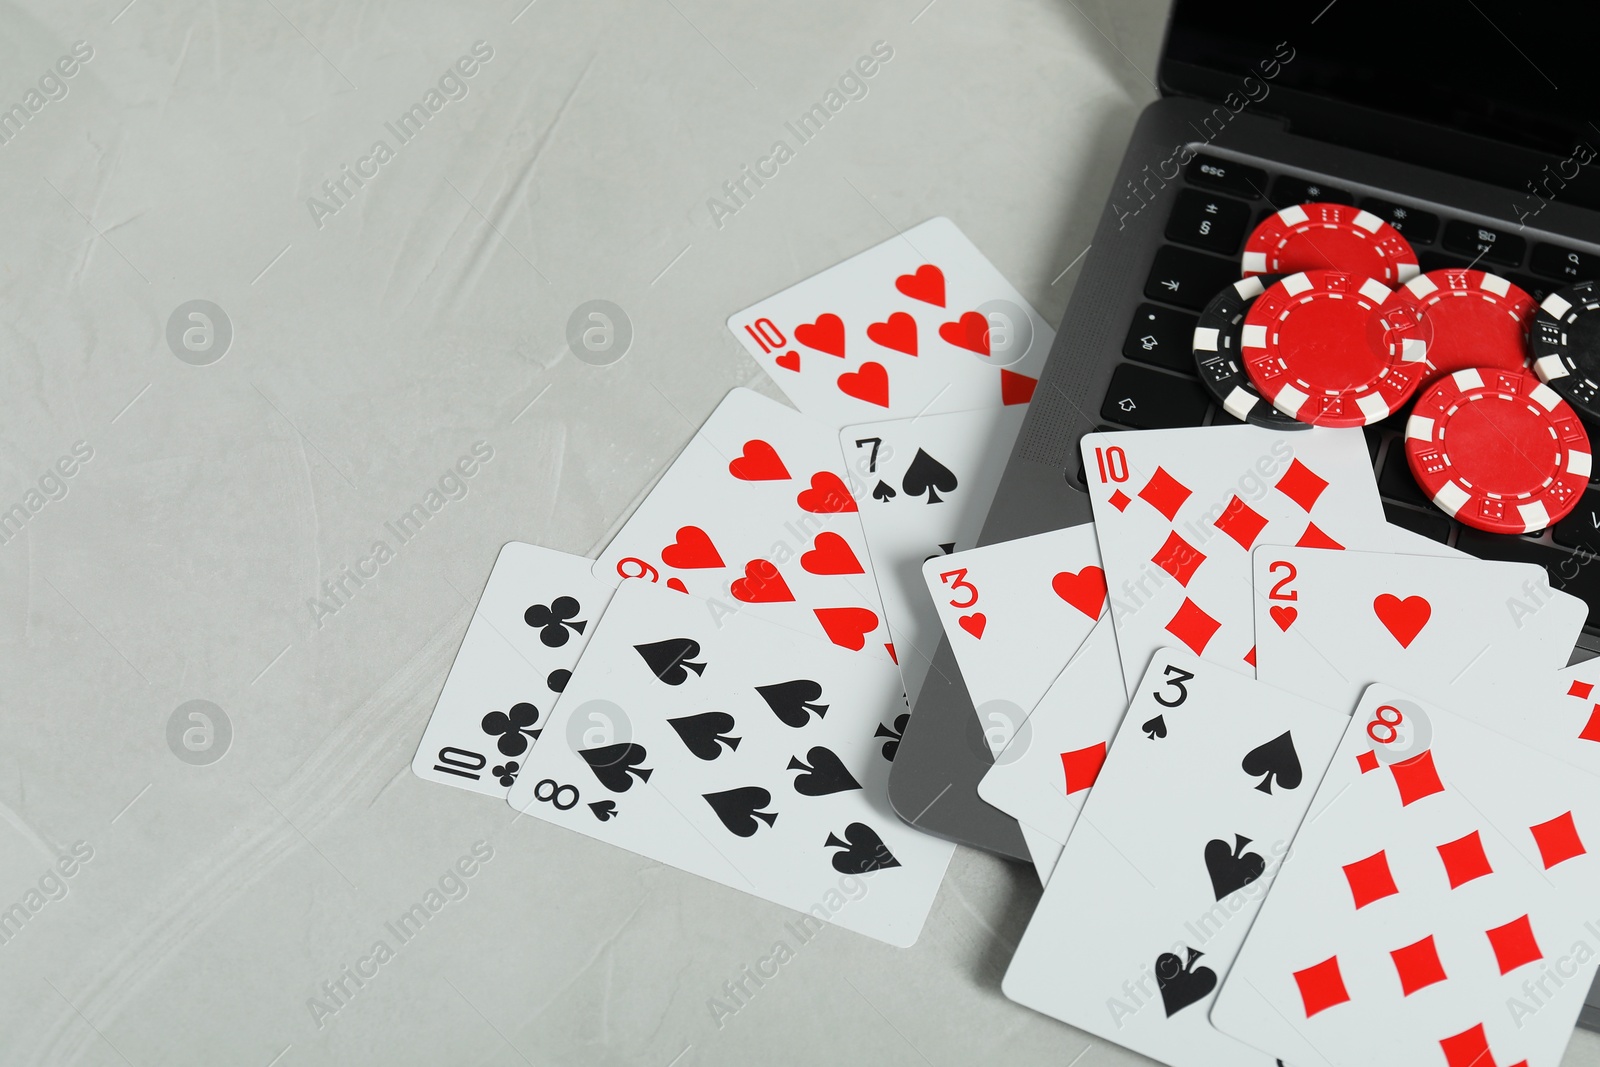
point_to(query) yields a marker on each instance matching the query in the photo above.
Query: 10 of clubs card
(742, 753)
(1196, 805)
(538, 610)
(932, 479)
(917, 325)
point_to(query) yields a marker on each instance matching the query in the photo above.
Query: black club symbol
(507, 772)
(513, 729)
(554, 620)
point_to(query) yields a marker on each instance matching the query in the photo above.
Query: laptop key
(1287, 191)
(1431, 524)
(1161, 336)
(1395, 481)
(1538, 288)
(1581, 528)
(1226, 175)
(1431, 261)
(1214, 223)
(1578, 574)
(1188, 279)
(1147, 399)
(1418, 227)
(1566, 264)
(1484, 243)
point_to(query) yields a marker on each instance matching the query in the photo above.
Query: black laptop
(1465, 125)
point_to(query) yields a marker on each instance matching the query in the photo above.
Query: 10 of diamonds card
(538, 611)
(740, 752)
(919, 324)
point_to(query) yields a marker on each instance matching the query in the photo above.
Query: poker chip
(1330, 237)
(1217, 358)
(1471, 319)
(1498, 450)
(1565, 345)
(1334, 349)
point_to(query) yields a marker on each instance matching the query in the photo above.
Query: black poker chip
(1216, 355)
(1565, 346)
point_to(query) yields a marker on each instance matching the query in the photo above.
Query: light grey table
(174, 497)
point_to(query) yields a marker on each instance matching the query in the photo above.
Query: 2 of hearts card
(1330, 623)
(1193, 808)
(1178, 511)
(1434, 906)
(919, 324)
(932, 479)
(759, 515)
(538, 611)
(740, 752)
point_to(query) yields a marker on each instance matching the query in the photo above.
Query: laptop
(1463, 126)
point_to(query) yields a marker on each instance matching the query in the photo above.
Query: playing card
(1437, 907)
(538, 610)
(743, 753)
(1178, 511)
(1034, 778)
(1192, 810)
(1330, 623)
(917, 325)
(932, 479)
(759, 514)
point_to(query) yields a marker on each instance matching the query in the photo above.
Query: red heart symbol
(870, 383)
(1402, 618)
(974, 623)
(693, 549)
(847, 627)
(927, 285)
(899, 333)
(790, 360)
(831, 555)
(971, 332)
(827, 495)
(825, 335)
(677, 583)
(759, 463)
(1284, 617)
(1085, 590)
(761, 584)
(1016, 388)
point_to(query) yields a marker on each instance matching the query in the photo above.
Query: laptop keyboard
(1155, 387)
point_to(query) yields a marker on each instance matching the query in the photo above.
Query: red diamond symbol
(1581, 690)
(1082, 766)
(1464, 859)
(1321, 986)
(1367, 761)
(1558, 840)
(1513, 944)
(1250, 657)
(1241, 522)
(1192, 626)
(1178, 558)
(1416, 778)
(1417, 965)
(1302, 485)
(1315, 538)
(1120, 500)
(1370, 879)
(1164, 493)
(1591, 729)
(1470, 1048)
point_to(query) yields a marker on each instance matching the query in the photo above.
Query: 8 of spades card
(931, 482)
(538, 611)
(743, 753)
(1190, 815)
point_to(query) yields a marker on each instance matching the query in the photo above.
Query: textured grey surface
(368, 354)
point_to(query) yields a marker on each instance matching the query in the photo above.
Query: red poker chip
(1329, 237)
(1472, 319)
(1498, 450)
(1333, 349)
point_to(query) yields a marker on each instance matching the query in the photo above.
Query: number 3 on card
(956, 580)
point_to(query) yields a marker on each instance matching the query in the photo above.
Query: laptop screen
(1367, 73)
